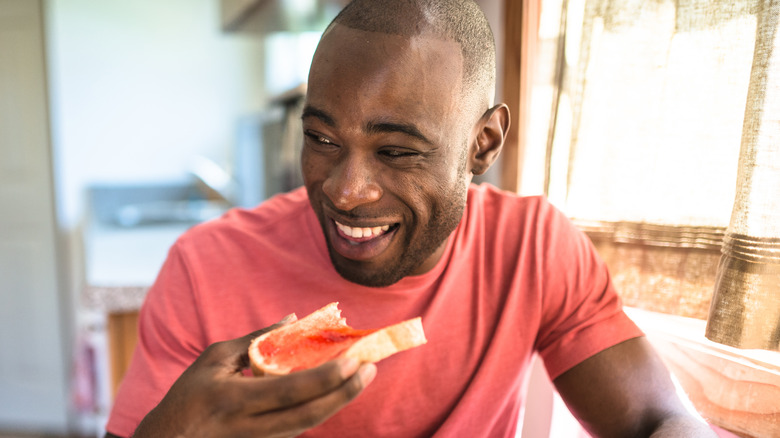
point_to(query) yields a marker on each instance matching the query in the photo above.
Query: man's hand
(213, 398)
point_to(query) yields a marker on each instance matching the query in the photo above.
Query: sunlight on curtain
(653, 100)
(746, 307)
(657, 94)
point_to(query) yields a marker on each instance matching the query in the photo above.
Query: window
(644, 121)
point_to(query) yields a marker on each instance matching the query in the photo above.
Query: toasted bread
(324, 335)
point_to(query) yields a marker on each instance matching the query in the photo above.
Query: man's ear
(491, 132)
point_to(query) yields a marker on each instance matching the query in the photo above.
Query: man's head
(461, 21)
(397, 120)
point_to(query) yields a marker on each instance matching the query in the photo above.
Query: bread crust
(388, 341)
(372, 347)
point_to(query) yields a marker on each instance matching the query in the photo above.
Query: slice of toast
(324, 335)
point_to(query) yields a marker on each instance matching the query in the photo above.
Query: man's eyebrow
(389, 127)
(310, 111)
(371, 127)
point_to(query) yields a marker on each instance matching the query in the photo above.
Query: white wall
(138, 87)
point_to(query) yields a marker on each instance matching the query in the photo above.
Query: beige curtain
(745, 310)
(660, 107)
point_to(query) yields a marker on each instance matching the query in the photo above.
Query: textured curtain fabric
(745, 309)
(666, 111)
(650, 117)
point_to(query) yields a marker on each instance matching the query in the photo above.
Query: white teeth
(358, 233)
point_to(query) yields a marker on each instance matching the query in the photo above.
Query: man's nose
(352, 183)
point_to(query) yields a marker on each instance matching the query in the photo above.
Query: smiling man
(385, 160)
(398, 118)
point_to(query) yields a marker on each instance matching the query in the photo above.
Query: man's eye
(318, 138)
(399, 153)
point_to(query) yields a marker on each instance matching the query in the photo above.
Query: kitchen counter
(128, 231)
(123, 262)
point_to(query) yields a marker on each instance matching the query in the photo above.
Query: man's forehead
(339, 35)
(367, 77)
(417, 60)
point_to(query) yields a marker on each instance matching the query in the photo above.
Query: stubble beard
(442, 223)
(444, 219)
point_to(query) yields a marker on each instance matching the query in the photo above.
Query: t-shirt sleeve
(582, 314)
(168, 342)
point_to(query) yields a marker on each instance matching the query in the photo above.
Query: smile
(362, 243)
(361, 233)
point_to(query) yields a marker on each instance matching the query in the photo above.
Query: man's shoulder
(504, 220)
(495, 203)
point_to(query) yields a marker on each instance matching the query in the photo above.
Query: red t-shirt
(516, 277)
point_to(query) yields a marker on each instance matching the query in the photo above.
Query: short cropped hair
(460, 20)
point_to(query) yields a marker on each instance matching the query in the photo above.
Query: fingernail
(348, 367)
(288, 319)
(367, 372)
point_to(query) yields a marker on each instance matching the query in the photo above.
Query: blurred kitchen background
(123, 123)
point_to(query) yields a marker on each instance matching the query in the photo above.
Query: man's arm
(626, 391)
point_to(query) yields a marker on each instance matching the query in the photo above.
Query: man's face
(385, 152)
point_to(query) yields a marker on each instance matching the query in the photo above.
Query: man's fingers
(288, 405)
(271, 393)
(304, 416)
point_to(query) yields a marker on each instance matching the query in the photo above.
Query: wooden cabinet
(122, 330)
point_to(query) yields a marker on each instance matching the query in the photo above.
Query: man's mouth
(361, 234)
(362, 243)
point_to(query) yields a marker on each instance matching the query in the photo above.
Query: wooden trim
(560, 70)
(521, 35)
(122, 338)
(641, 233)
